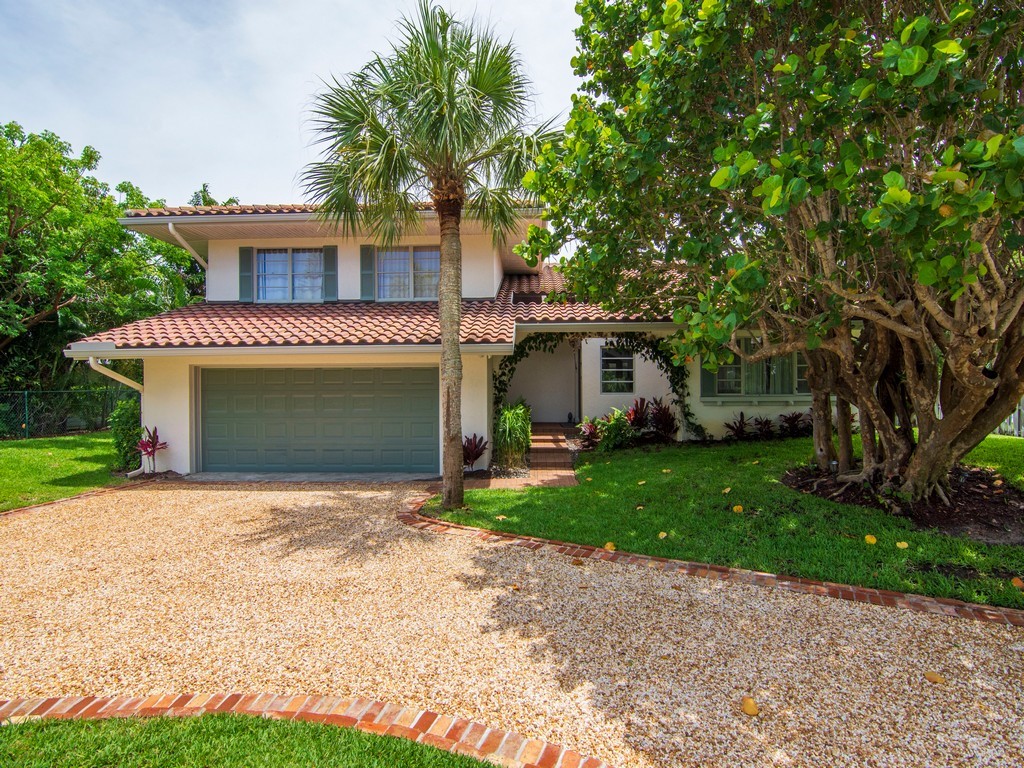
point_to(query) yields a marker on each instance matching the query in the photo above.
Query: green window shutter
(708, 383)
(330, 273)
(366, 272)
(245, 274)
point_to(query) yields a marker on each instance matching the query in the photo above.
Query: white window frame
(410, 250)
(798, 376)
(614, 352)
(291, 276)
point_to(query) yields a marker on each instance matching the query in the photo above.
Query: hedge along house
(317, 353)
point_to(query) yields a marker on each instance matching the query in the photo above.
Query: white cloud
(175, 94)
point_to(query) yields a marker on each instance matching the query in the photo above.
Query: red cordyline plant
(473, 448)
(149, 445)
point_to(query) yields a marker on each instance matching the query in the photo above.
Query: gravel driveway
(319, 590)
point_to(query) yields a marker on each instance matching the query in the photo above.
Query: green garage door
(320, 420)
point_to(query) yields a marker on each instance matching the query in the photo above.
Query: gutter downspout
(115, 375)
(181, 241)
(126, 381)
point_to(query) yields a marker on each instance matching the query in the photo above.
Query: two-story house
(319, 353)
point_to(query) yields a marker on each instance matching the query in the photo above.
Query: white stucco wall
(169, 398)
(481, 265)
(713, 412)
(648, 382)
(548, 384)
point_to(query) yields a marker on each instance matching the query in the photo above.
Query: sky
(175, 93)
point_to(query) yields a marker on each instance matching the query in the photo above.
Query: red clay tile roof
(274, 325)
(357, 323)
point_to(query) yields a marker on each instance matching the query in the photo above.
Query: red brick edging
(410, 515)
(451, 734)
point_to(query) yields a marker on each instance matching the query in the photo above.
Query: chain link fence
(29, 413)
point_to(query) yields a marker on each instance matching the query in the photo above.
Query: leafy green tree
(67, 268)
(843, 179)
(441, 118)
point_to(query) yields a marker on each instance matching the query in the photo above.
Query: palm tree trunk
(449, 296)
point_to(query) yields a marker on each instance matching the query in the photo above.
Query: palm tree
(441, 119)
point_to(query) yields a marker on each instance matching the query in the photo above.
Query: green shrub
(125, 424)
(616, 431)
(512, 435)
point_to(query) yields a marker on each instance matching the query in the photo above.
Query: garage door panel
(244, 376)
(333, 403)
(244, 404)
(422, 429)
(275, 430)
(329, 420)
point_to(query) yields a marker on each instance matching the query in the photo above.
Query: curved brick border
(451, 734)
(410, 515)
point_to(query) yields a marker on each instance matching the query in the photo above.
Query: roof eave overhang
(665, 327)
(109, 351)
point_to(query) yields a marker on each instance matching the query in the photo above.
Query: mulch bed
(983, 506)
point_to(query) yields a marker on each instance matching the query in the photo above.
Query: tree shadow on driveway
(665, 660)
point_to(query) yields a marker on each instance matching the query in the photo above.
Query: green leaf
(949, 47)
(722, 177)
(894, 179)
(928, 76)
(992, 146)
(927, 274)
(960, 12)
(897, 195)
(912, 60)
(673, 10)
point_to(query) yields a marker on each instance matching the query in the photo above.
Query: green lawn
(689, 493)
(47, 468)
(210, 740)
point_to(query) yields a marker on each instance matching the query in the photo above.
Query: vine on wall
(648, 347)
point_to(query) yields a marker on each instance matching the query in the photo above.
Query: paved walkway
(550, 462)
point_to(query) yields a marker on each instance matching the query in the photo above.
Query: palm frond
(445, 108)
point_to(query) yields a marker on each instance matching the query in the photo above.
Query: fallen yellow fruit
(870, 539)
(666, 471)
(901, 545)
(662, 535)
(738, 508)
(749, 706)
(639, 506)
(590, 479)
(934, 677)
(610, 546)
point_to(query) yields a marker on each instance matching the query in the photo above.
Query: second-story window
(408, 272)
(289, 274)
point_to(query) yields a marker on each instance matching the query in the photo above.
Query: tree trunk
(821, 420)
(844, 431)
(449, 295)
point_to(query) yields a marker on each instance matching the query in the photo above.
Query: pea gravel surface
(317, 589)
